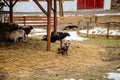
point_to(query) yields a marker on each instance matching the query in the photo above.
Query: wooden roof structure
(47, 13)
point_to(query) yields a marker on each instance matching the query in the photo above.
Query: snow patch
(115, 76)
(101, 31)
(74, 37)
(37, 32)
(105, 14)
(118, 69)
(73, 34)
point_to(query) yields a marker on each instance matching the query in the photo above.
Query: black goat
(59, 36)
(27, 29)
(70, 27)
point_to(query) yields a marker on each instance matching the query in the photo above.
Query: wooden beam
(14, 3)
(48, 24)
(6, 3)
(11, 5)
(39, 5)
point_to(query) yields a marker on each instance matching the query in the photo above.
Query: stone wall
(115, 5)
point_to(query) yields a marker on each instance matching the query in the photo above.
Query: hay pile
(31, 58)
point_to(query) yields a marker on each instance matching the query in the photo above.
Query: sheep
(27, 29)
(59, 36)
(64, 47)
(15, 35)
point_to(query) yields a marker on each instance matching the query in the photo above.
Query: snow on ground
(73, 35)
(118, 69)
(37, 32)
(101, 31)
(115, 76)
(105, 14)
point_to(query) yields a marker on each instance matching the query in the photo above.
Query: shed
(47, 12)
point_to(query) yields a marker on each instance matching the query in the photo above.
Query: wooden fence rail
(30, 20)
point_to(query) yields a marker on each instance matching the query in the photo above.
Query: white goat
(15, 35)
(64, 47)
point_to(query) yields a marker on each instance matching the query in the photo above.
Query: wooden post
(11, 11)
(24, 18)
(48, 23)
(60, 7)
(78, 27)
(87, 29)
(108, 27)
(55, 17)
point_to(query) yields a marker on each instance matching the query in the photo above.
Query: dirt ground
(88, 60)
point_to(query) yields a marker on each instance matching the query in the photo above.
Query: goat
(70, 27)
(64, 47)
(15, 35)
(59, 36)
(27, 29)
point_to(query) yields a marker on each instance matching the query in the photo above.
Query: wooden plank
(22, 22)
(108, 18)
(32, 20)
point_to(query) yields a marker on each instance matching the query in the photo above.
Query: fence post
(108, 27)
(78, 28)
(87, 29)
(24, 19)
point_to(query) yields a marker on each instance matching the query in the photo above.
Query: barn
(68, 5)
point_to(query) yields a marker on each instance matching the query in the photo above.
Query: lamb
(59, 36)
(15, 35)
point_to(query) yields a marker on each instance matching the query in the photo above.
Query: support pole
(11, 11)
(48, 23)
(55, 17)
(87, 29)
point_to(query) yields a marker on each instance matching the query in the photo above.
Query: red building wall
(89, 4)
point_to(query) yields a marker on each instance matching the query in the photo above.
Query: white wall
(107, 4)
(70, 5)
